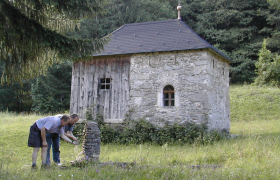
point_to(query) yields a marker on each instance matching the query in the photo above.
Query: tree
(15, 97)
(268, 67)
(95, 26)
(51, 92)
(120, 12)
(236, 27)
(32, 35)
(268, 64)
(273, 18)
(274, 3)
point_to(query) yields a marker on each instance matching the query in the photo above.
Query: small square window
(105, 83)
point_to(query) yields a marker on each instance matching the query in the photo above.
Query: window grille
(105, 83)
(168, 96)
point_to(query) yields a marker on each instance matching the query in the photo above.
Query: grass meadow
(253, 153)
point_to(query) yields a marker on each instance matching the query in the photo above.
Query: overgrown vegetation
(142, 131)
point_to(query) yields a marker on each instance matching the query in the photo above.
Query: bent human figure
(37, 135)
(54, 138)
(68, 129)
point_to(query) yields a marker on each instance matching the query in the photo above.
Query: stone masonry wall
(201, 86)
(218, 95)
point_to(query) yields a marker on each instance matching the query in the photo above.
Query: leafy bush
(109, 134)
(142, 131)
(78, 129)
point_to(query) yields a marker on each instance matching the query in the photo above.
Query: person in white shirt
(37, 135)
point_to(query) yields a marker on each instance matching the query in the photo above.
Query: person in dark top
(53, 139)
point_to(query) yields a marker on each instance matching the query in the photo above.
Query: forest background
(247, 31)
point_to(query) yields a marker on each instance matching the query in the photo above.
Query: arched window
(168, 96)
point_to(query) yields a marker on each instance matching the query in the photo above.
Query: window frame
(170, 96)
(103, 82)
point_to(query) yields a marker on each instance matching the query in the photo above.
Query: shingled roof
(155, 36)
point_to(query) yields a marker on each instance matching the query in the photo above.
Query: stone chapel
(159, 71)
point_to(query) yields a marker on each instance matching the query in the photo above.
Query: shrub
(142, 131)
(78, 129)
(109, 134)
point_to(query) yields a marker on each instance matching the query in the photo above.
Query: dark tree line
(236, 27)
(15, 97)
(47, 93)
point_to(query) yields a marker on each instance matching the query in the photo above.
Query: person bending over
(37, 135)
(53, 139)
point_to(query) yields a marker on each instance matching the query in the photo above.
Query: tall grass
(252, 103)
(252, 154)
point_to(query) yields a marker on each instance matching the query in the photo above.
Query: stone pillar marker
(92, 141)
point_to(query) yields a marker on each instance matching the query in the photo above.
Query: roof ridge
(150, 22)
(134, 24)
(163, 35)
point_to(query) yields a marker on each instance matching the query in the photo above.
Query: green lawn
(252, 154)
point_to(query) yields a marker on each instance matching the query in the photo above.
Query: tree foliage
(32, 35)
(51, 92)
(268, 64)
(268, 67)
(15, 97)
(45, 91)
(120, 12)
(275, 3)
(236, 27)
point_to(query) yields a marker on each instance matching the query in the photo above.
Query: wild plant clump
(78, 129)
(142, 131)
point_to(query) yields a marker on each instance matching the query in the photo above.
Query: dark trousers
(53, 141)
